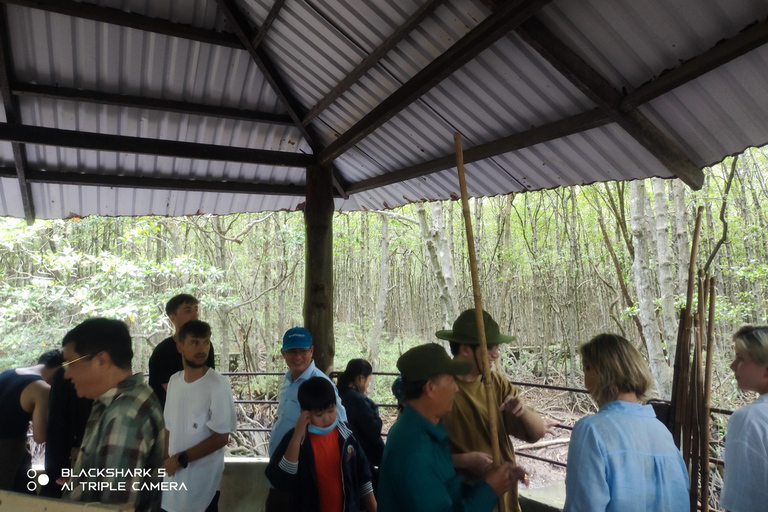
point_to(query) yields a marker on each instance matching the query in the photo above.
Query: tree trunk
(661, 371)
(381, 297)
(664, 266)
(318, 277)
(430, 242)
(444, 253)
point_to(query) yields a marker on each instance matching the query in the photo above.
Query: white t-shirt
(194, 411)
(746, 459)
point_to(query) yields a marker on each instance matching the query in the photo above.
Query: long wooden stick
(681, 411)
(493, 409)
(707, 398)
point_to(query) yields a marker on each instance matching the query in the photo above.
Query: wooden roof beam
(373, 58)
(599, 90)
(490, 30)
(551, 131)
(131, 20)
(155, 183)
(247, 35)
(13, 118)
(139, 145)
(126, 100)
(725, 51)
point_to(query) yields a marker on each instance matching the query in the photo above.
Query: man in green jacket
(417, 472)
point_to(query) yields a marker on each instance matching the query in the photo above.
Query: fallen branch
(542, 444)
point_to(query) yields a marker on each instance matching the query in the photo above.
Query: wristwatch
(182, 459)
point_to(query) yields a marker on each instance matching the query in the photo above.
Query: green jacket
(417, 473)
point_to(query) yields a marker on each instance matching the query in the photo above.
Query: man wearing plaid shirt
(124, 439)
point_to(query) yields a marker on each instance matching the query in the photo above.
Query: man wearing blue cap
(297, 351)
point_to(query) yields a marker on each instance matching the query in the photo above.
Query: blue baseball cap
(297, 337)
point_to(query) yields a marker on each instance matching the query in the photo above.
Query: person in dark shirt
(166, 358)
(67, 417)
(362, 413)
(23, 398)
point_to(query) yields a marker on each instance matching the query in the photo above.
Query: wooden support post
(318, 278)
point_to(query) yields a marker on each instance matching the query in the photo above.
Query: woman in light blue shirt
(746, 443)
(622, 459)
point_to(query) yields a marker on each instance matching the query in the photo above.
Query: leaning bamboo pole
(707, 396)
(493, 411)
(681, 430)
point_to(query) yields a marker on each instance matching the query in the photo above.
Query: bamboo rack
(690, 411)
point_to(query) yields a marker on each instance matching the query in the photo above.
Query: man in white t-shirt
(199, 415)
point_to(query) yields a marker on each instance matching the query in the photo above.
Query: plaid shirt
(125, 431)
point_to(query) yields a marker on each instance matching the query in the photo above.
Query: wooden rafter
(238, 21)
(568, 126)
(125, 100)
(599, 90)
(13, 118)
(373, 58)
(154, 183)
(264, 28)
(126, 19)
(487, 32)
(145, 146)
(725, 51)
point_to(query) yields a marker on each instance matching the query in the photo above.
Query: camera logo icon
(34, 480)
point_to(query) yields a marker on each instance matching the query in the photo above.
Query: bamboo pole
(707, 397)
(682, 409)
(493, 409)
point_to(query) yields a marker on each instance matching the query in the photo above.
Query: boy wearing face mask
(319, 462)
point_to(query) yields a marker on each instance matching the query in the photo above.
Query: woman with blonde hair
(622, 458)
(746, 443)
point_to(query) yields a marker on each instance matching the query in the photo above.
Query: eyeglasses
(67, 363)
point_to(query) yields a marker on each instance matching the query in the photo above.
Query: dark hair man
(166, 358)
(23, 397)
(199, 415)
(125, 430)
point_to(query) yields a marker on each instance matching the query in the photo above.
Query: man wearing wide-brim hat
(417, 472)
(467, 423)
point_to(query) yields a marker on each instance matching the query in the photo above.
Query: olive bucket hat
(427, 361)
(465, 330)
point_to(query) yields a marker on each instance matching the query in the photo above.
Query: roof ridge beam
(13, 117)
(127, 100)
(131, 20)
(487, 32)
(550, 131)
(247, 35)
(372, 59)
(750, 38)
(600, 91)
(155, 183)
(145, 146)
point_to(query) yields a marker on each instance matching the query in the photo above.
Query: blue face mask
(322, 431)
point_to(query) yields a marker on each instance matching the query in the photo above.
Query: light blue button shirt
(746, 459)
(288, 409)
(623, 459)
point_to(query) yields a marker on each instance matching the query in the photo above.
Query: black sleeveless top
(14, 421)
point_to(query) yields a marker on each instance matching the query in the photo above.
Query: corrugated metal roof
(507, 89)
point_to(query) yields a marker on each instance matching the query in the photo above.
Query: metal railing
(521, 453)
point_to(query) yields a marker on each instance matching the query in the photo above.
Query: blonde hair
(618, 366)
(753, 339)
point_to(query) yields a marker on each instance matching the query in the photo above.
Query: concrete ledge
(15, 502)
(244, 486)
(545, 499)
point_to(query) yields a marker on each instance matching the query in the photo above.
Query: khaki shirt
(468, 425)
